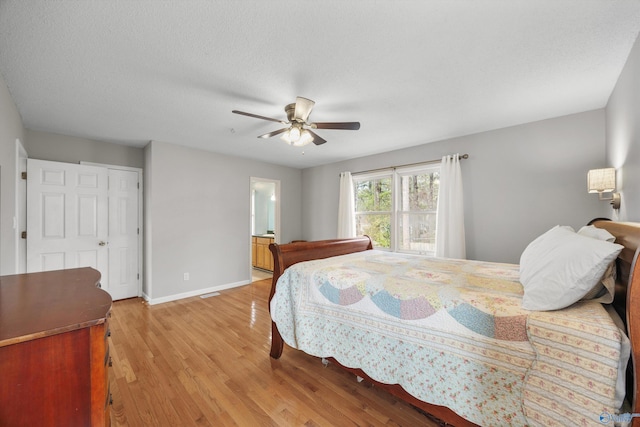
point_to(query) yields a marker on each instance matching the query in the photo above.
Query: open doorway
(265, 225)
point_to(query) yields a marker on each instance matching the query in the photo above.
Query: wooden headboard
(627, 298)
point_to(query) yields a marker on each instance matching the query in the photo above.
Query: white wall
(198, 218)
(623, 135)
(518, 182)
(10, 129)
(71, 149)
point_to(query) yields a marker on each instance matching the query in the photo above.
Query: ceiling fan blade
(303, 108)
(274, 133)
(317, 139)
(337, 125)
(259, 117)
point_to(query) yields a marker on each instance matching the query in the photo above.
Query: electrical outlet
(186, 276)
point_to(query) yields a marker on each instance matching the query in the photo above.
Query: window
(374, 204)
(417, 196)
(397, 208)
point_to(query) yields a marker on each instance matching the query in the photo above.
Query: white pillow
(604, 291)
(560, 267)
(596, 233)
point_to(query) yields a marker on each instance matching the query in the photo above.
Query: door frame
(20, 218)
(276, 222)
(140, 173)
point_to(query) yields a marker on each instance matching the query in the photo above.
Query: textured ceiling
(411, 72)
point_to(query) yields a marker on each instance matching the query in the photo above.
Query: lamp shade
(601, 180)
(294, 134)
(305, 138)
(296, 137)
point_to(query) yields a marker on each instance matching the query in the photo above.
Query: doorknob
(103, 243)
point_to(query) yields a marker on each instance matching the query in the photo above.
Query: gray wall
(623, 136)
(518, 182)
(10, 129)
(198, 217)
(70, 149)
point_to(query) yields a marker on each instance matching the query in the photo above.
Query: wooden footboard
(293, 253)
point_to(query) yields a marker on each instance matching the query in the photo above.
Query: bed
(451, 336)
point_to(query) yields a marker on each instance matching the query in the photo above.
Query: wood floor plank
(205, 362)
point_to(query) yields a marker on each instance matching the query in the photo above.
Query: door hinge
(23, 175)
(138, 186)
(138, 276)
(138, 230)
(23, 234)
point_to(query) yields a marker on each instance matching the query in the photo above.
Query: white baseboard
(153, 301)
(145, 296)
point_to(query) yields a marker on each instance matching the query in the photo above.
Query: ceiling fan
(298, 131)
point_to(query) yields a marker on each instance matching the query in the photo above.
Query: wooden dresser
(54, 351)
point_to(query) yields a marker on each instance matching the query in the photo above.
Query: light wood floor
(257, 275)
(205, 362)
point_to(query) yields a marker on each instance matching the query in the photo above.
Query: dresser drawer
(100, 358)
(107, 364)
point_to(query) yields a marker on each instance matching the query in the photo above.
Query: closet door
(67, 217)
(123, 234)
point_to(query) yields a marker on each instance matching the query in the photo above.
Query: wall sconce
(604, 181)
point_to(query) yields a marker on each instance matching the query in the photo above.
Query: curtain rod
(463, 156)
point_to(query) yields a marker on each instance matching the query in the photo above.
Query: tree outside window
(374, 202)
(397, 208)
(417, 208)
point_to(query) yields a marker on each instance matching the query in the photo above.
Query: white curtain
(346, 208)
(450, 223)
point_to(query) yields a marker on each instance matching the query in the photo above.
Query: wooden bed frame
(627, 298)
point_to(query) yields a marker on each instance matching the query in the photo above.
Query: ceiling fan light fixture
(299, 138)
(298, 128)
(285, 137)
(305, 138)
(294, 134)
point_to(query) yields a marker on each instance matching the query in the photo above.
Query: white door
(67, 217)
(123, 234)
